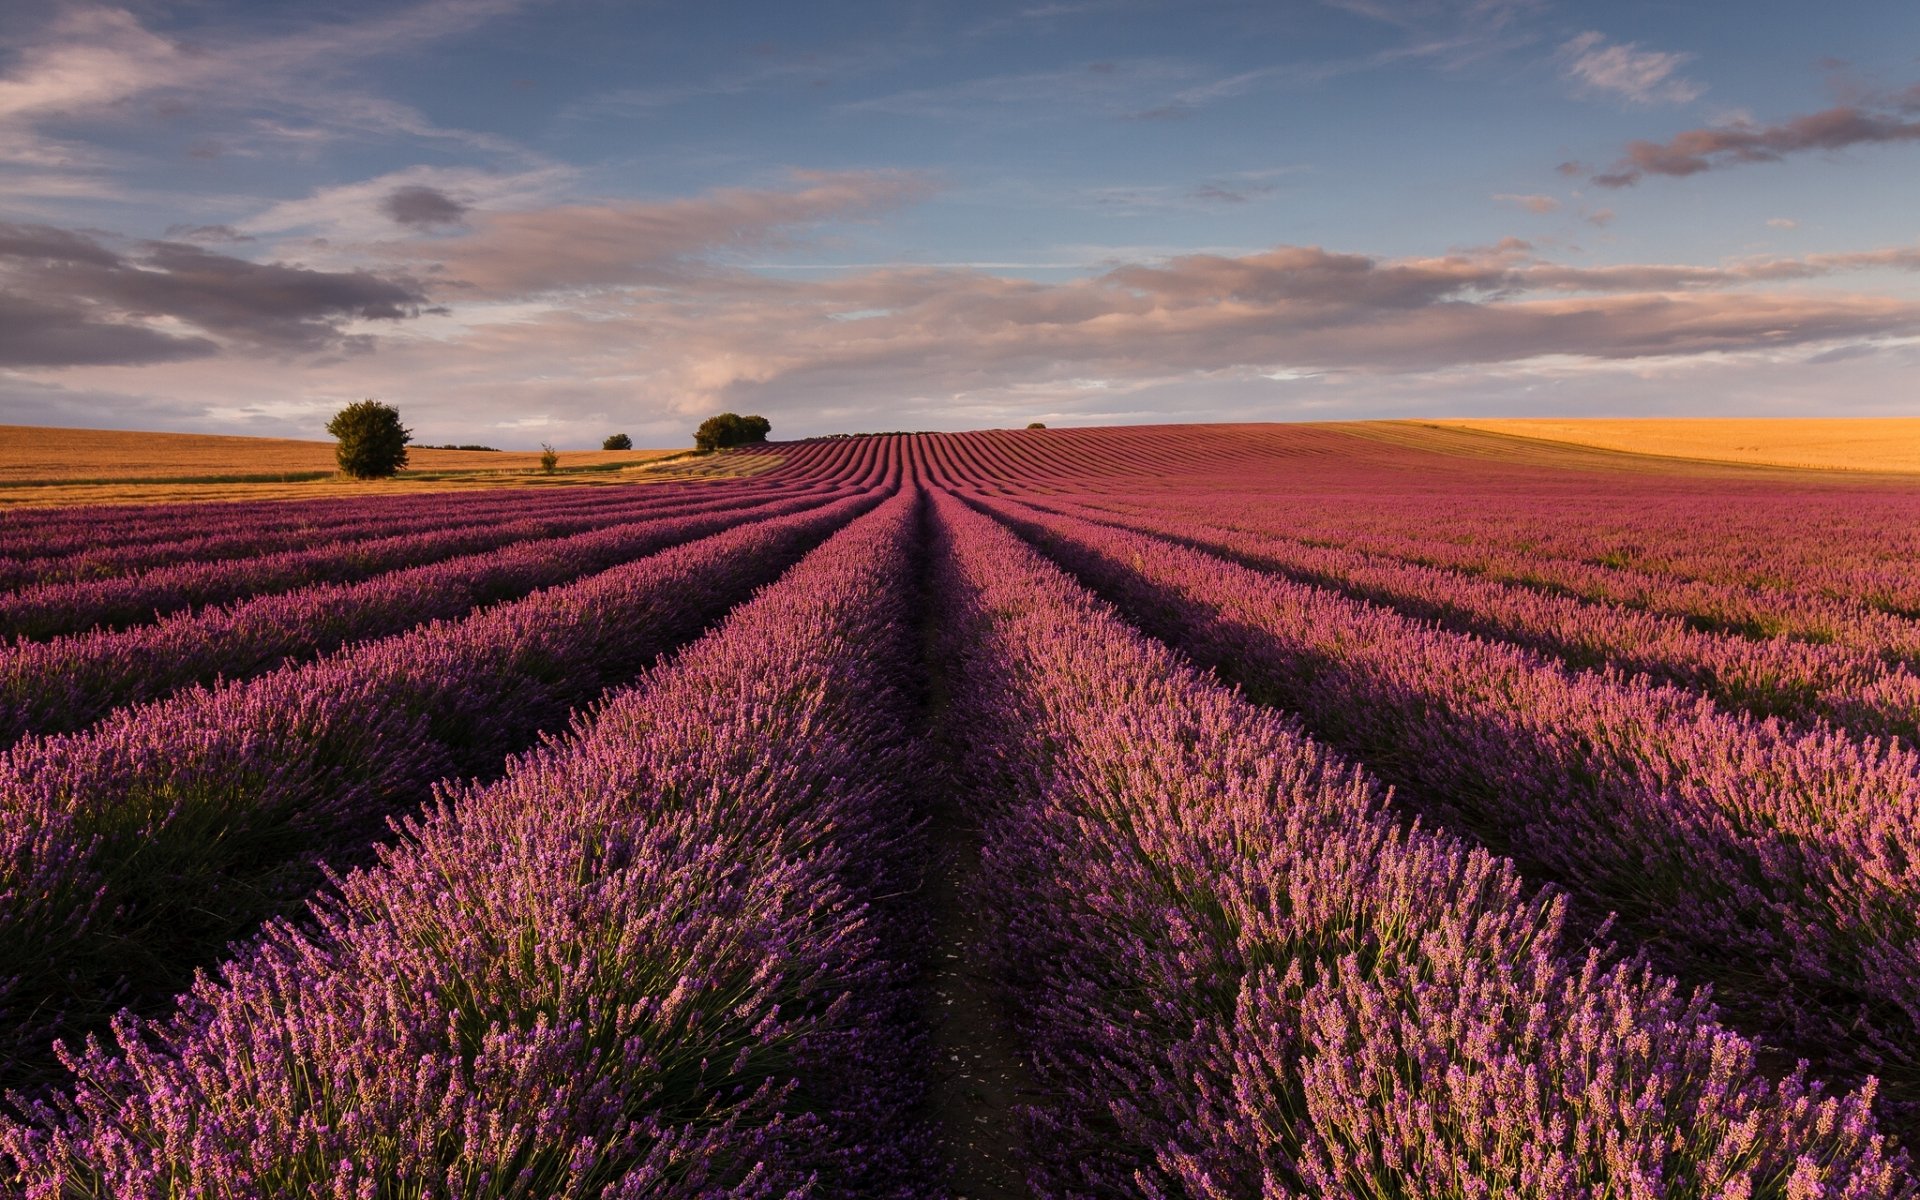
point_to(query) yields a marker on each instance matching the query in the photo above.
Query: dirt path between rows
(979, 1079)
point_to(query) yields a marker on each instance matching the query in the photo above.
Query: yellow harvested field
(1886, 444)
(31, 453)
(40, 466)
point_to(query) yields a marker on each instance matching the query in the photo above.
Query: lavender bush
(656, 959)
(1779, 864)
(132, 852)
(1241, 977)
(66, 683)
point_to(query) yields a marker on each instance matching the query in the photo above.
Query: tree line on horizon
(372, 443)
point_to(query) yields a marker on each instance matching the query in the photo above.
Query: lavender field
(1173, 812)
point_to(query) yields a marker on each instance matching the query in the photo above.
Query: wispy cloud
(1227, 188)
(102, 64)
(622, 243)
(769, 68)
(1110, 88)
(1627, 72)
(1540, 205)
(349, 216)
(1221, 193)
(92, 58)
(209, 234)
(1424, 15)
(1449, 34)
(1891, 121)
(1077, 264)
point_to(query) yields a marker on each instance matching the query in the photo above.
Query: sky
(527, 221)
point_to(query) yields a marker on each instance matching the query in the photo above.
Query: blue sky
(526, 222)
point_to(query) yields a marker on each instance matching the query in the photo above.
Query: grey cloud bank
(72, 300)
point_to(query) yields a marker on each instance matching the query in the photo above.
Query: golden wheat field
(1890, 444)
(41, 466)
(44, 466)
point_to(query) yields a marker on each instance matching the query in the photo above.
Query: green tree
(1036, 425)
(549, 458)
(373, 442)
(618, 441)
(730, 429)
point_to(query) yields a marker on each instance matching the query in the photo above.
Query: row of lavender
(663, 957)
(62, 607)
(1827, 535)
(1799, 681)
(131, 852)
(82, 553)
(34, 534)
(160, 521)
(1824, 580)
(68, 682)
(1848, 542)
(1240, 975)
(51, 609)
(1781, 864)
(76, 545)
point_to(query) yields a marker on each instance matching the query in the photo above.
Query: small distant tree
(618, 441)
(549, 458)
(730, 429)
(1036, 424)
(373, 442)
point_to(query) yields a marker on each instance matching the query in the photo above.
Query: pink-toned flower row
(659, 958)
(132, 852)
(1854, 609)
(1779, 676)
(100, 548)
(1781, 864)
(1239, 975)
(67, 683)
(1838, 539)
(30, 533)
(49, 610)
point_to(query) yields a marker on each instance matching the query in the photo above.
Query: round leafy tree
(1036, 425)
(731, 429)
(373, 442)
(618, 441)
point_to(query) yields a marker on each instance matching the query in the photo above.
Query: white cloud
(1541, 205)
(1625, 71)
